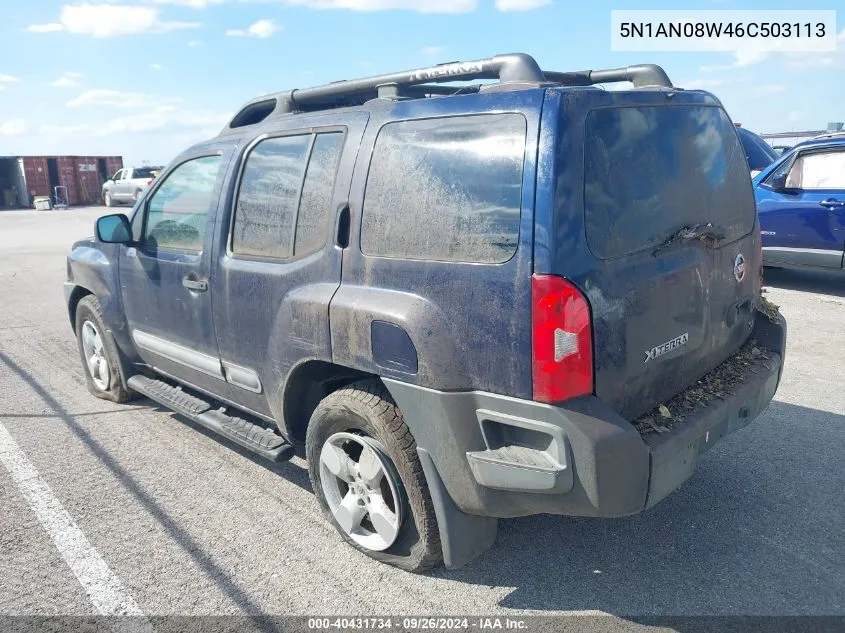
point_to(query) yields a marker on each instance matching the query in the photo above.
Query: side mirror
(778, 182)
(114, 229)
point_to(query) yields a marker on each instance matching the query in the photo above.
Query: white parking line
(106, 591)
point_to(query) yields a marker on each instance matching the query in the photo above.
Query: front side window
(446, 189)
(817, 170)
(178, 210)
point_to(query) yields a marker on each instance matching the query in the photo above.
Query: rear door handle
(832, 203)
(197, 285)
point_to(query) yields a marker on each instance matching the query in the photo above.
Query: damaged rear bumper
(496, 456)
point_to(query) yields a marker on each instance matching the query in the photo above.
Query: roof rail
(828, 135)
(640, 75)
(514, 68)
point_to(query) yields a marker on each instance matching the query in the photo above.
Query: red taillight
(149, 182)
(562, 343)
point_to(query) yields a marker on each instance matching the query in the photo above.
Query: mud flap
(463, 536)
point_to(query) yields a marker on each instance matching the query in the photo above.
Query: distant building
(80, 178)
(793, 138)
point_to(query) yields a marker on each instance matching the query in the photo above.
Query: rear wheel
(365, 472)
(98, 352)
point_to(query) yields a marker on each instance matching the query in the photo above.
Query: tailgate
(670, 218)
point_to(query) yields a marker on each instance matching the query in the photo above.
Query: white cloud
(194, 4)
(261, 29)
(701, 84)
(50, 27)
(67, 80)
(432, 51)
(195, 43)
(162, 117)
(116, 99)
(792, 59)
(7, 79)
(110, 20)
(421, 6)
(770, 89)
(15, 127)
(520, 5)
(156, 67)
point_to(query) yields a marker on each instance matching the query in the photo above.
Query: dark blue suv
(801, 202)
(457, 301)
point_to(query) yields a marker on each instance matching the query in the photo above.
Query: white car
(127, 185)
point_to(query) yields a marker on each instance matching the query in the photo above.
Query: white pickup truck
(127, 185)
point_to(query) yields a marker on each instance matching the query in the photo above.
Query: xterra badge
(668, 346)
(739, 267)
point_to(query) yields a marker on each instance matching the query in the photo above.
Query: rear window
(651, 171)
(758, 153)
(143, 172)
(446, 189)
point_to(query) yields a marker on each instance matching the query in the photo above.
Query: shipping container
(82, 176)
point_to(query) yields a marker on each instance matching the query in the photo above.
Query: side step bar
(259, 440)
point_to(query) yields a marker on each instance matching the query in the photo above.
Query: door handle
(197, 285)
(832, 203)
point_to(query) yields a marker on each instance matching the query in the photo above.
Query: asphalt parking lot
(191, 525)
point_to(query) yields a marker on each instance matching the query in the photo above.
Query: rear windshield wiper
(704, 232)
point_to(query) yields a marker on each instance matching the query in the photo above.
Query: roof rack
(514, 69)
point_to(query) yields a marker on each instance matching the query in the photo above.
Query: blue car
(801, 204)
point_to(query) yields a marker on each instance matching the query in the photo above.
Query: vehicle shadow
(757, 530)
(822, 282)
(203, 559)
(287, 470)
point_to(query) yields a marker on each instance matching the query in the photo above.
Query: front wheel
(365, 472)
(107, 199)
(98, 352)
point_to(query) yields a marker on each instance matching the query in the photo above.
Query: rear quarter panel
(470, 324)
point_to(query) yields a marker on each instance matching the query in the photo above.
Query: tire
(367, 409)
(137, 195)
(107, 200)
(108, 385)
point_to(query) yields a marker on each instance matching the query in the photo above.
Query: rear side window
(315, 204)
(446, 189)
(652, 171)
(284, 199)
(268, 197)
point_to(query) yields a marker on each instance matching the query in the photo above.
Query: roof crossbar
(514, 68)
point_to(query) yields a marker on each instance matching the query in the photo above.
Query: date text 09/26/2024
(418, 623)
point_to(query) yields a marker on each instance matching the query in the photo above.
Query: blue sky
(146, 78)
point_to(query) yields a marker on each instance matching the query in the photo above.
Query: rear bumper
(505, 457)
